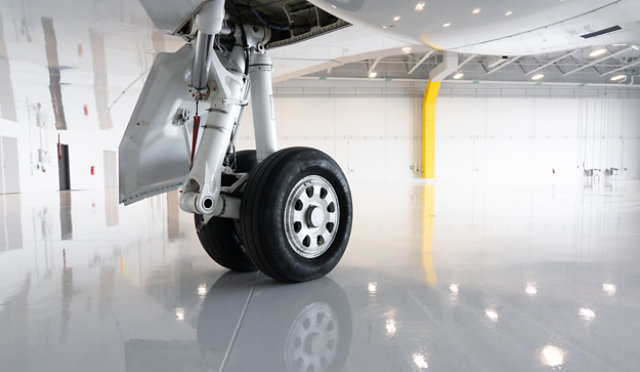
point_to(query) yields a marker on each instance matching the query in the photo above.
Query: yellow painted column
(429, 129)
(430, 275)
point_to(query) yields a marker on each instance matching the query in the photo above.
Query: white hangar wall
(516, 133)
(483, 132)
(373, 129)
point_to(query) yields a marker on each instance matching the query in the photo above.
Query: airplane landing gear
(286, 213)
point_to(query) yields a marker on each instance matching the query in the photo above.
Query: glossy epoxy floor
(444, 277)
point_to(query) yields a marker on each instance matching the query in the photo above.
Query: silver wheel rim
(311, 217)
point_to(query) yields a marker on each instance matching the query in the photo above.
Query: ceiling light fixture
(508, 13)
(597, 52)
(420, 6)
(446, 24)
(458, 76)
(373, 75)
(635, 47)
(619, 77)
(406, 50)
(396, 18)
(537, 77)
(476, 11)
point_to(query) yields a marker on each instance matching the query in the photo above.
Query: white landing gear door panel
(154, 151)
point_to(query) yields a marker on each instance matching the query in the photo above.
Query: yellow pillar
(429, 129)
(430, 275)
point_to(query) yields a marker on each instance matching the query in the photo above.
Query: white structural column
(448, 66)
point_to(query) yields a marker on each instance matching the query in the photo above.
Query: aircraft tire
(296, 215)
(220, 237)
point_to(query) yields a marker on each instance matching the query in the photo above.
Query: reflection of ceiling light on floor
(587, 314)
(180, 314)
(373, 286)
(609, 289)
(531, 289)
(390, 327)
(396, 18)
(420, 361)
(445, 25)
(508, 13)
(458, 76)
(552, 356)
(420, 6)
(202, 290)
(492, 314)
(453, 287)
(406, 50)
(476, 11)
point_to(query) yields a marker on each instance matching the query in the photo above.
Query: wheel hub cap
(312, 214)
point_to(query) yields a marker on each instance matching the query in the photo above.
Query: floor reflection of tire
(313, 339)
(295, 328)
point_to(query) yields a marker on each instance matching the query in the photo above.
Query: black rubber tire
(220, 237)
(263, 207)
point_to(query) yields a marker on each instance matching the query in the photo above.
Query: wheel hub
(315, 216)
(312, 214)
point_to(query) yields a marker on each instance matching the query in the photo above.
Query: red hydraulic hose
(196, 128)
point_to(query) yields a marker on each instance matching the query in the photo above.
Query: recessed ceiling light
(476, 11)
(396, 18)
(446, 24)
(458, 76)
(420, 6)
(618, 78)
(373, 75)
(537, 77)
(597, 52)
(508, 13)
(406, 50)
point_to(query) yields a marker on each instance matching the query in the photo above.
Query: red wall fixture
(93, 170)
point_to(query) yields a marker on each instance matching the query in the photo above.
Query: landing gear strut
(290, 217)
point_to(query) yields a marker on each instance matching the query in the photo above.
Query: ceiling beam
(598, 61)
(374, 65)
(467, 60)
(420, 62)
(637, 62)
(507, 63)
(552, 62)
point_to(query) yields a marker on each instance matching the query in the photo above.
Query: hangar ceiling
(613, 64)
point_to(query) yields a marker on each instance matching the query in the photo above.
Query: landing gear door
(154, 152)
